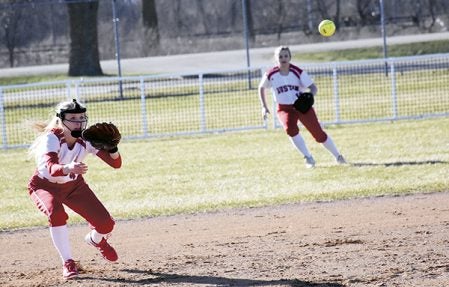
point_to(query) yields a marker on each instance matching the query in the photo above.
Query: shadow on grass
(399, 163)
(167, 278)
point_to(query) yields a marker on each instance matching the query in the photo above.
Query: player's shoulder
(53, 140)
(296, 69)
(56, 132)
(271, 71)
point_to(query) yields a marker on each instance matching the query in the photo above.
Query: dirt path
(386, 241)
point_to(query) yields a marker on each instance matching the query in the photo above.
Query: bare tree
(84, 54)
(249, 17)
(202, 16)
(432, 10)
(150, 24)
(325, 7)
(10, 25)
(280, 19)
(365, 10)
(177, 15)
(13, 32)
(235, 11)
(337, 13)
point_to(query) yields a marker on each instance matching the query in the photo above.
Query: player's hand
(75, 168)
(265, 112)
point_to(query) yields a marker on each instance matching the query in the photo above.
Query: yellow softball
(326, 28)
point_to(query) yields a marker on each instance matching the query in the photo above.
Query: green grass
(52, 77)
(247, 169)
(19, 80)
(398, 50)
(206, 173)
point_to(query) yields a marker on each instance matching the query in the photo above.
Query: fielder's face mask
(73, 108)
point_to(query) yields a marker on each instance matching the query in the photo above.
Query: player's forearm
(262, 99)
(313, 89)
(114, 160)
(53, 165)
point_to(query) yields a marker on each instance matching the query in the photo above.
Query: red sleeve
(271, 72)
(115, 163)
(53, 165)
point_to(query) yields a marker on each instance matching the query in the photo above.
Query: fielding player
(286, 82)
(59, 151)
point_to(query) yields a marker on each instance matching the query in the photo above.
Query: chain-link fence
(171, 105)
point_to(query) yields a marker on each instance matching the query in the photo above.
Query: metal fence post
(265, 121)
(245, 29)
(336, 93)
(394, 97)
(69, 86)
(384, 35)
(115, 20)
(3, 121)
(202, 106)
(143, 108)
(77, 89)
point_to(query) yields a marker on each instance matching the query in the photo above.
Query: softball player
(58, 180)
(286, 81)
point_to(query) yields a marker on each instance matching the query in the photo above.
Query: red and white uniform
(55, 153)
(50, 188)
(286, 87)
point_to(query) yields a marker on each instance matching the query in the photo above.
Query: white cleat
(310, 162)
(341, 160)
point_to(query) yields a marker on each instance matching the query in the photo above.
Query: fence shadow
(169, 278)
(398, 163)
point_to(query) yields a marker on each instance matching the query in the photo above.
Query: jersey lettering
(286, 88)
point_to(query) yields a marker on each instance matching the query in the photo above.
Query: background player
(286, 81)
(59, 151)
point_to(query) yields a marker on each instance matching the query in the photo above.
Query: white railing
(221, 101)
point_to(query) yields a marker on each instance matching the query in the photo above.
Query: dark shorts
(289, 118)
(50, 199)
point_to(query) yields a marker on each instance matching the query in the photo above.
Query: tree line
(78, 25)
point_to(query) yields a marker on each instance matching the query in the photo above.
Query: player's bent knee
(105, 227)
(321, 137)
(58, 219)
(291, 131)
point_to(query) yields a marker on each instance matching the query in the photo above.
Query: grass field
(399, 50)
(207, 173)
(248, 169)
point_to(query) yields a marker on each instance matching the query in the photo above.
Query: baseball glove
(103, 136)
(304, 102)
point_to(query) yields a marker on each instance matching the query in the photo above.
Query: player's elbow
(313, 89)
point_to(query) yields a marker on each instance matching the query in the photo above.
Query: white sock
(96, 237)
(330, 146)
(60, 237)
(300, 145)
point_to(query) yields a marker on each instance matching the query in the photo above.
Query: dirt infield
(384, 241)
